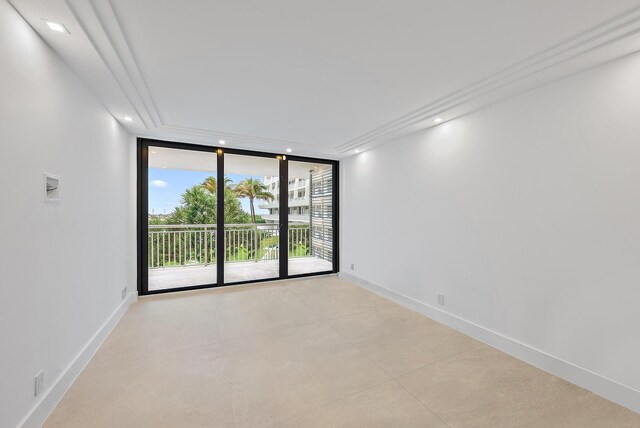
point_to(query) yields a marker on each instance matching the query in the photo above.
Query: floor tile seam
(320, 319)
(229, 382)
(209, 292)
(423, 404)
(153, 354)
(398, 339)
(220, 341)
(328, 403)
(350, 343)
(391, 378)
(365, 311)
(433, 363)
(273, 330)
(354, 346)
(306, 305)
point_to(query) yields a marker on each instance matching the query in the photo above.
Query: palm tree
(253, 189)
(211, 185)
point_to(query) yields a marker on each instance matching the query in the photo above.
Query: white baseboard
(52, 396)
(600, 385)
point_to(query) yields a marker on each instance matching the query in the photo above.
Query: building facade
(299, 206)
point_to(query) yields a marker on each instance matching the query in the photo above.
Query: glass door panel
(181, 235)
(251, 218)
(310, 217)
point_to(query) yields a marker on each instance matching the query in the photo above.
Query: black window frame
(142, 187)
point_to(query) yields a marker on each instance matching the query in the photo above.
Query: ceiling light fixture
(437, 120)
(357, 150)
(128, 119)
(56, 26)
(289, 150)
(222, 142)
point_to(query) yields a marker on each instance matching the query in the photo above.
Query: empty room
(294, 213)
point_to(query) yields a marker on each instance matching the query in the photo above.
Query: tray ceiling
(322, 78)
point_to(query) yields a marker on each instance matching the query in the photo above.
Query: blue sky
(166, 187)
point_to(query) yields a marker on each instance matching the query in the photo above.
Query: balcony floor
(176, 277)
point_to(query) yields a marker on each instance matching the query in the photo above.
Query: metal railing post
(255, 244)
(206, 246)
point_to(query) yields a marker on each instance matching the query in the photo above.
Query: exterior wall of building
(298, 200)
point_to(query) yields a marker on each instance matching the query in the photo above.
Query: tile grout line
(227, 375)
(434, 362)
(420, 368)
(325, 321)
(220, 341)
(305, 304)
(351, 344)
(355, 344)
(328, 403)
(392, 378)
(423, 405)
(377, 308)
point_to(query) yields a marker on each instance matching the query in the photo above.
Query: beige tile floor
(311, 353)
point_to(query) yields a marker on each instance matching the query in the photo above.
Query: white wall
(525, 215)
(61, 266)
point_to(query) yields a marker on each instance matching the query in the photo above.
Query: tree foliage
(199, 205)
(253, 189)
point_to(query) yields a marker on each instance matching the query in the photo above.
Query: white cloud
(159, 183)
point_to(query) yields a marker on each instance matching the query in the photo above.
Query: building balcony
(295, 202)
(293, 218)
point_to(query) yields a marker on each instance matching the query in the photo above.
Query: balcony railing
(195, 244)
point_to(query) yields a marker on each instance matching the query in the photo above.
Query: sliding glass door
(209, 216)
(182, 221)
(251, 218)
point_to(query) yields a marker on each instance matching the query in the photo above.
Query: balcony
(185, 255)
(293, 218)
(293, 202)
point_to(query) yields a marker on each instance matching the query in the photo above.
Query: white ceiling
(322, 77)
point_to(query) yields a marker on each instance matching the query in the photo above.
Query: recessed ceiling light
(289, 150)
(56, 26)
(437, 120)
(128, 119)
(222, 142)
(357, 150)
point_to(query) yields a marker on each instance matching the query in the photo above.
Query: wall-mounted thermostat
(51, 188)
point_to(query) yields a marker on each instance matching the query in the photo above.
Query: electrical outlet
(441, 299)
(353, 267)
(124, 292)
(39, 383)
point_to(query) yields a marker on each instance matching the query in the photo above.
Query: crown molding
(575, 54)
(100, 23)
(113, 30)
